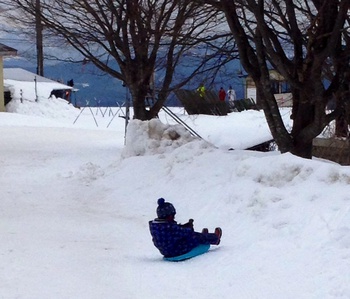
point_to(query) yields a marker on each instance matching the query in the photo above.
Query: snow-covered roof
(18, 74)
(28, 86)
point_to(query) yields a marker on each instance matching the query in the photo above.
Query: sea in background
(98, 89)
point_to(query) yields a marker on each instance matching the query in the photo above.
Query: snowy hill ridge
(76, 204)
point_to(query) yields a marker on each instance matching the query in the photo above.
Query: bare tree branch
(134, 39)
(306, 42)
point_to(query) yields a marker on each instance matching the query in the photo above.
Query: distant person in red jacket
(222, 94)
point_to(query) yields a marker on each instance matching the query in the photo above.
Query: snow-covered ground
(76, 204)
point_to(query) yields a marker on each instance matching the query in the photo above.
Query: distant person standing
(222, 95)
(231, 97)
(201, 90)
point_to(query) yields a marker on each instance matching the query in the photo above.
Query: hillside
(76, 203)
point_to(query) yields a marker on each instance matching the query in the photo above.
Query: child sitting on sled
(173, 239)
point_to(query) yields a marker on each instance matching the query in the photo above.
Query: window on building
(285, 87)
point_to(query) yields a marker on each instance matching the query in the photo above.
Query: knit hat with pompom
(165, 209)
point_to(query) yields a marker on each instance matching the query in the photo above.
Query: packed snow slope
(76, 203)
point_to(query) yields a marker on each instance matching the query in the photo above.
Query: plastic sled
(194, 252)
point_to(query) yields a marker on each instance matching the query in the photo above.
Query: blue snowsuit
(173, 239)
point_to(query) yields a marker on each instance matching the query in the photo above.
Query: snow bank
(74, 216)
(153, 137)
(53, 109)
(24, 102)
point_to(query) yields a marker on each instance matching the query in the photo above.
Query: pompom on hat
(165, 209)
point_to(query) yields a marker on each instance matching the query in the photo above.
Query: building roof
(17, 79)
(18, 74)
(7, 51)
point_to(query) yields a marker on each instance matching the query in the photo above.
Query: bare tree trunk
(302, 144)
(39, 39)
(270, 34)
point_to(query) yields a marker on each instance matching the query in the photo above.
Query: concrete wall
(336, 150)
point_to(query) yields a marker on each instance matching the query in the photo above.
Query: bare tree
(39, 39)
(25, 25)
(303, 40)
(134, 40)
